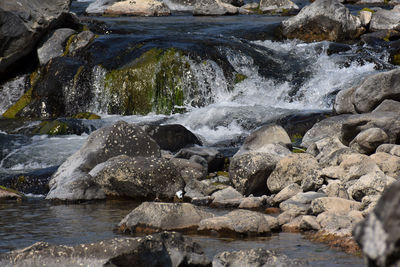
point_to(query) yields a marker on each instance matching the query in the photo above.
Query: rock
(79, 41)
(300, 203)
(138, 177)
(368, 140)
(259, 140)
(307, 197)
(189, 170)
(288, 216)
(255, 257)
(155, 217)
(293, 169)
(215, 159)
(336, 188)
(240, 222)
(227, 197)
(278, 6)
(390, 149)
(388, 105)
(370, 184)
(352, 167)
(293, 226)
(72, 181)
(138, 8)
(338, 224)
(328, 151)
(308, 223)
(368, 203)
(237, 3)
(98, 7)
(334, 204)
(172, 137)
(213, 8)
(365, 17)
(287, 192)
(53, 45)
(163, 249)
(252, 203)
(366, 96)
(323, 20)
(6, 194)
(23, 24)
(384, 19)
(379, 234)
(389, 164)
(249, 172)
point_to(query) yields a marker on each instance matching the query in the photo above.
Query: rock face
(379, 234)
(72, 180)
(138, 8)
(255, 257)
(323, 20)
(213, 8)
(163, 249)
(370, 93)
(240, 222)
(138, 177)
(23, 23)
(154, 217)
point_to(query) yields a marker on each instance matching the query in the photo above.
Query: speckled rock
(370, 184)
(278, 6)
(163, 249)
(227, 197)
(213, 8)
(155, 217)
(339, 224)
(287, 192)
(389, 164)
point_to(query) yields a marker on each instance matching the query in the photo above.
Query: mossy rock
(86, 116)
(151, 83)
(52, 128)
(222, 173)
(366, 9)
(240, 77)
(14, 193)
(12, 112)
(395, 59)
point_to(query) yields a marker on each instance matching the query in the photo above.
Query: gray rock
(79, 41)
(23, 24)
(53, 45)
(288, 216)
(255, 258)
(213, 8)
(249, 172)
(242, 222)
(259, 140)
(384, 19)
(307, 197)
(388, 105)
(389, 164)
(156, 216)
(344, 101)
(365, 17)
(99, 6)
(287, 192)
(72, 181)
(368, 140)
(293, 226)
(336, 188)
(251, 203)
(390, 149)
(295, 207)
(278, 6)
(227, 197)
(309, 223)
(370, 184)
(138, 177)
(334, 204)
(368, 203)
(215, 159)
(138, 8)
(12, 90)
(189, 170)
(163, 249)
(293, 169)
(338, 224)
(323, 20)
(379, 234)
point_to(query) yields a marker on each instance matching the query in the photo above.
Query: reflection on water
(33, 220)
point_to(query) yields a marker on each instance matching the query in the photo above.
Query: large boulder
(23, 23)
(138, 8)
(370, 93)
(72, 180)
(138, 177)
(384, 19)
(155, 217)
(255, 257)
(213, 8)
(163, 249)
(323, 20)
(379, 234)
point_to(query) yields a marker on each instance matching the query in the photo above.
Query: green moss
(222, 173)
(52, 128)
(366, 9)
(87, 116)
(69, 42)
(240, 77)
(152, 83)
(10, 190)
(396, 59)
(19, 105)
(298, 150)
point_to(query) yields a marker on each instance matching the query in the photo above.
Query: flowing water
(281, 78)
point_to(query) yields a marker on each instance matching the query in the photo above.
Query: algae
(87, 116)
(67, 46)
(240, 77)
(52, 128)
(12, 112)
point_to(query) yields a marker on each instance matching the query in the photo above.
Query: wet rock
(390, 149)
(240, 222)
(388, 105)
(213, 8)
(278, 6)
(334, 204)
(155, 217)
(260, 140)
(227, 197)
(323, 20)
(215, 159)
(389, 164)
(384, 19)
(72, 181)
(163, 249)
(172, 137)
(6, 193)
(370, 184)
(138, 8)
(368, 140)
(309, 223)
(339, 224)
(255, 257)
(23, 24)
(293, 169)
(287, 192)
(138, 177)
(79, 41)
(379, 234)
(365, 97)
(53, 45)
(249, 171)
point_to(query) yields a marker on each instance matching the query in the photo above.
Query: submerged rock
(163, 249)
